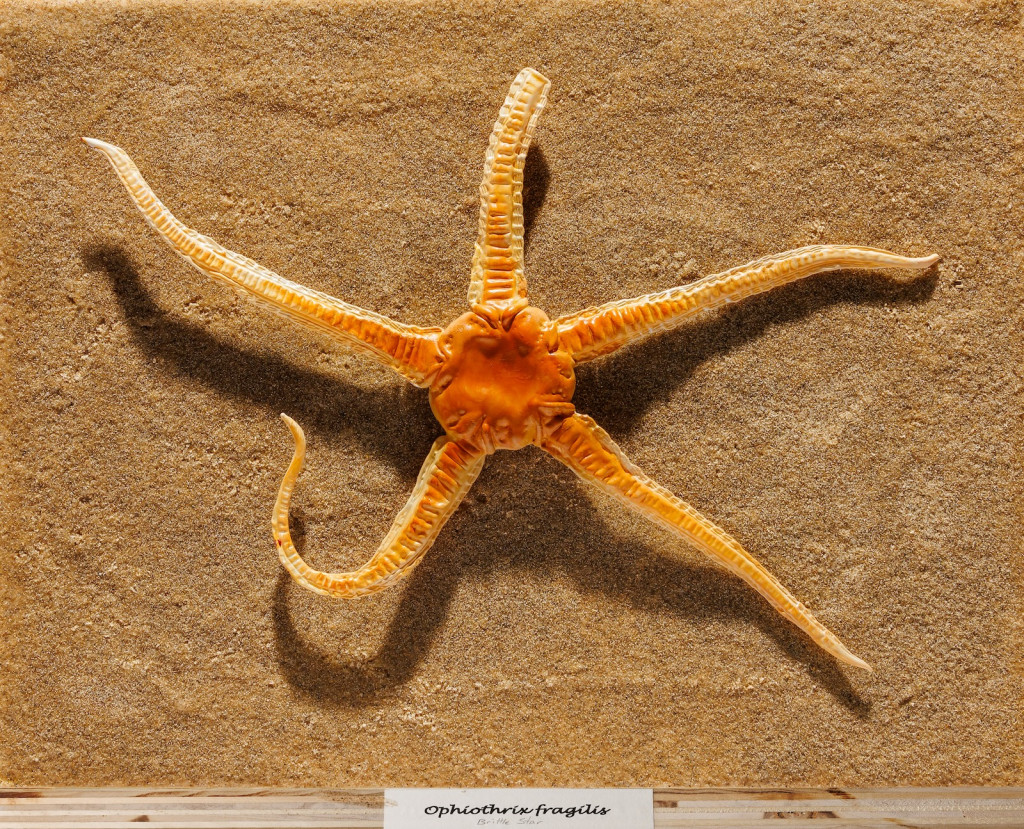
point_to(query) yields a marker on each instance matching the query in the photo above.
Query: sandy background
(855, 432)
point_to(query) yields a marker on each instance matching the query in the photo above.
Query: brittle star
(501, 376)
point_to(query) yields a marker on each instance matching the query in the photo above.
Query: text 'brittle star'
(501, 376)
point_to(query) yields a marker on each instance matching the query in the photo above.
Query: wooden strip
(252, 808)
(916, 807)
(261, 808)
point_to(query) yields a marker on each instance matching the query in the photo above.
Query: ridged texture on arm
(497, 275)
(447, 475)
(598, 331)
(587, 449)
(410, 350)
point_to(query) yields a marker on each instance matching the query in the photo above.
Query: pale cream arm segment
(410, 350)
(588, 451)
(497, 278)
(447, 475)
(598, 331)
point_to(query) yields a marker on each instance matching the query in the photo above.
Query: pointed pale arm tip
(850, 659)
(296, 429)
(96, 144)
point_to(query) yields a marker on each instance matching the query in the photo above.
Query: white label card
(545, 808)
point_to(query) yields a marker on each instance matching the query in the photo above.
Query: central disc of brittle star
(505, 382)
(501, 376)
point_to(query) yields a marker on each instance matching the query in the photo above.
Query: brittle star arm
(588, 451)
(598, 331)
(448, 473)
(497, 278)
(410, 350)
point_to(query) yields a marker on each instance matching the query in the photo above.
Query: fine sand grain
(857, 432)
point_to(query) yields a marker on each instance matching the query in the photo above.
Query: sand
(857, 431)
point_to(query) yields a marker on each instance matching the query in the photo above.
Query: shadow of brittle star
(501, 376)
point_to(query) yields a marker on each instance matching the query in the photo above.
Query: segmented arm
(598, 331)
(447, 474)
(497, 276)
(410, 350)
(588, 451)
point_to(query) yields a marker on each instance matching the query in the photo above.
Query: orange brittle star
(501, 375)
